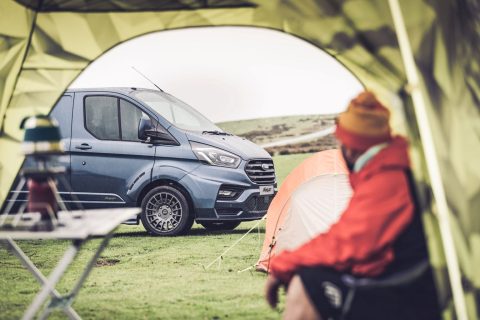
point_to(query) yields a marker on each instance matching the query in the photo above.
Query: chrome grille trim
(259, 175)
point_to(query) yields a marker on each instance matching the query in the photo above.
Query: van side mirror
(150, 133)
(144, 125)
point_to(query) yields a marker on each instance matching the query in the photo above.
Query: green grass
(263, 130)
(152, 277)
(297, 123)
(285, 164)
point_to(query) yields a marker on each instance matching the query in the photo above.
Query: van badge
(266, 190)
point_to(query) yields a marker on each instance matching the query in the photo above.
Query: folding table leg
(90, 265)
(88, 268)
(53, 279)
(28, 264)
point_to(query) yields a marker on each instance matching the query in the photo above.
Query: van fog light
(227, 193)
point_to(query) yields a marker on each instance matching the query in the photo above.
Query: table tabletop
(77, 224)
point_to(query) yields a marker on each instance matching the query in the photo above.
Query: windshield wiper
(216, 132)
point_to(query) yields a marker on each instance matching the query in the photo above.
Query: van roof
(125, 90)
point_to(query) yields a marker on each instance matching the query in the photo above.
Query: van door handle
(84, 146)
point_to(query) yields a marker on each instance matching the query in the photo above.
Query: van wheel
(165, 212)
(220, 225)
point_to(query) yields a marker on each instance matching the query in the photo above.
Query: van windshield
(176, 111)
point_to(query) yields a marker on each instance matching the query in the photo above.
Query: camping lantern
(42, 136)
(41, 145)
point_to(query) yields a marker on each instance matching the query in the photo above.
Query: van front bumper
(251, 207)
(210, 206)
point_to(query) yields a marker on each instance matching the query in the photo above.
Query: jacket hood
(242, 147)
(392, 157)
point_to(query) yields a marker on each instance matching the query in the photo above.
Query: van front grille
(261, 171)
(257, 204)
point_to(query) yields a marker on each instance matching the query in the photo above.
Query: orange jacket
(361, 241)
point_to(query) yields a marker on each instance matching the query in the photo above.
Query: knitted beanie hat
(364, 124)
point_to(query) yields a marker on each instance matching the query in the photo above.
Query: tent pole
(430, 154)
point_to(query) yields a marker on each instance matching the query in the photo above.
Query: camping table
(79, 227)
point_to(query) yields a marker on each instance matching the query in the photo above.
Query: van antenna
(147, 78)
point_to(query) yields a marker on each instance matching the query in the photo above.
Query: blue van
(132, 147)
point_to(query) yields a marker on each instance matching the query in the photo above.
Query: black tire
(220, 225)
(165, 212)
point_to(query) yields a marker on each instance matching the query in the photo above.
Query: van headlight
(215, 156)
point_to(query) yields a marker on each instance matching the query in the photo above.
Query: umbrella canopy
(45, 44)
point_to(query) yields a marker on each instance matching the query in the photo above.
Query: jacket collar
(392, 156)
(368, 155)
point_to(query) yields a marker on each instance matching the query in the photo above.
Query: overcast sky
(230, 73)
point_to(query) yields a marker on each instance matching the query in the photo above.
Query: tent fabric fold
(128, 6)
(45, 45)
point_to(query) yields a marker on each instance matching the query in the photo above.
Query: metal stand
(27, 263)
(57, 301)
(41, 173)
(79, 227)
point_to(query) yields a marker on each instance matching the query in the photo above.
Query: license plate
(266, 190)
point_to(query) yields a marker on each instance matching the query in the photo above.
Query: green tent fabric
(45, 45)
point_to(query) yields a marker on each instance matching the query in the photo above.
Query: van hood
(240, 146)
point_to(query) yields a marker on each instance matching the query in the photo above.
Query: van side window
(130, 118)
(101, 117)
(111, 118)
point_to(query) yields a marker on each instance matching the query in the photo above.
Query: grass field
(265, 130)
(144, 277)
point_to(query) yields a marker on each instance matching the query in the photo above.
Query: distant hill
(265, 130)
